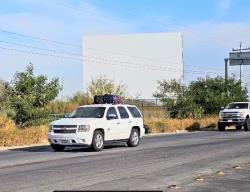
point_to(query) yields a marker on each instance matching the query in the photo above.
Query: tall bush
(28, 96)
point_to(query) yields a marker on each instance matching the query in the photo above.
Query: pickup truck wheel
(238, 127)
(57, 147)
(97, 141)
(221, 127)
(134, 138)
(247, 124)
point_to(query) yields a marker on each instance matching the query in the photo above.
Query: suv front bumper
(233, 122)
(70, 139)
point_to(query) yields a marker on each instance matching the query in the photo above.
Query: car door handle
(118, 123)
(130, 122)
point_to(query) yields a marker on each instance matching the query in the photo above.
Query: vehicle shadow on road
(47, 148)
(211, 127)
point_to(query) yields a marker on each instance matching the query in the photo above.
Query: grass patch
(160, 125)
(12, 136)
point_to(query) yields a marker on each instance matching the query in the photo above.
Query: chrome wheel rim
(99, 141)
(135, 138)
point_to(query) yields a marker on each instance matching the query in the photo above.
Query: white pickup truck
(235, 114)
(94, 125)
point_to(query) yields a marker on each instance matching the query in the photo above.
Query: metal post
(241, 62)
(240, 75)
(226, 76)
(142, 109)
(226, 70)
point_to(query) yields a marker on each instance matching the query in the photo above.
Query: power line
(56, 51)
(41, 39)
(94, 59)
(36, 53)
(89, 48)
(44, 49)
(132, 56)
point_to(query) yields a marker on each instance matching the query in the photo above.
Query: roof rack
(107, 99)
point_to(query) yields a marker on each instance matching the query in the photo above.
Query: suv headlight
(221, 115)
(50, 128)
(242, 114)
(83, 128)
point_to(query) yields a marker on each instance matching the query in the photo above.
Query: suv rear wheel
(57, 147)
(97, 141)
(247, 124)
(134, 138)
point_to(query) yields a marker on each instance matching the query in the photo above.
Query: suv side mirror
(111, 116)
(66, 115)
(222, 108)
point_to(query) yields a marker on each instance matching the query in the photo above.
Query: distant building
(137, 60)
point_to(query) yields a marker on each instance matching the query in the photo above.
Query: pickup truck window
(123, 112)
(237, 106)
(112, 110)
(88, 112)
(134, 111)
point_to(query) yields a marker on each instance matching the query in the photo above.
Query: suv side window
(123, 112)
(134, 111)
(112, 110)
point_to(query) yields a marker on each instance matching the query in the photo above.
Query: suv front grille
(64, 130)
(231, 115)
(64, 126)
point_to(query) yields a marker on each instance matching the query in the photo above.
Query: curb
(166, 133)
(23, 146)
(47, 144)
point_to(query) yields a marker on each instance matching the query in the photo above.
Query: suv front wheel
(221, 126)
(247, 124)
(134, 138)
(97, 141)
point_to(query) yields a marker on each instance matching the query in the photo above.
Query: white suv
(92, 125)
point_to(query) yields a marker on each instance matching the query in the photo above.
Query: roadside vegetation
(200, 98)
(161, 125)
(10, 135)
(27, 102)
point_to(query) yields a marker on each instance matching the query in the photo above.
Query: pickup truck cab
(235, 114)
(94, 125)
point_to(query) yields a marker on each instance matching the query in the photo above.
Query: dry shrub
(160, 125)
(150, 112)
(12, 136)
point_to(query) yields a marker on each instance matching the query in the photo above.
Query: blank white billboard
(137, 60)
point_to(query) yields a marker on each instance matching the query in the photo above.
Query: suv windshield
(88, 112)
(237, 106)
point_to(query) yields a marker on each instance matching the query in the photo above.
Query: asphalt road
(168, 162)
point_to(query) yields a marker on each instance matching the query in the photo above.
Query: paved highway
(157, 164)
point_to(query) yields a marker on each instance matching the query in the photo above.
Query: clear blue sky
(211, 28)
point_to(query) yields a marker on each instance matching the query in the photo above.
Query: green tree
(5, 104)
(103, 85)
(212, 93)
(29, 95)
(204, 96)
(176, 99)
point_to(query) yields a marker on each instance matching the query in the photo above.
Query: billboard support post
(226, 69)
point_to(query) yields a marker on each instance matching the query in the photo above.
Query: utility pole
(62, 88)
(226, 69)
